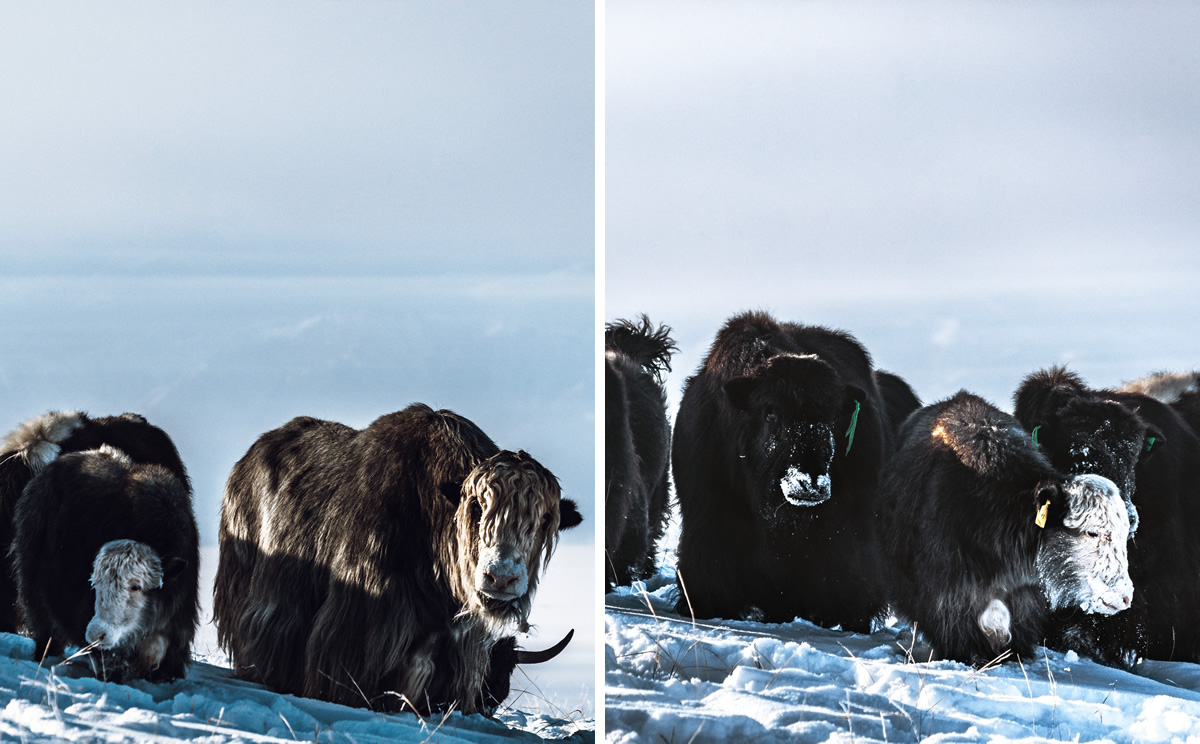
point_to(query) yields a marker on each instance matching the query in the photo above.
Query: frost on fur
(1086, 564)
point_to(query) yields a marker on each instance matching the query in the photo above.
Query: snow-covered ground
(673, 679)
(40, 704)
(37, 703)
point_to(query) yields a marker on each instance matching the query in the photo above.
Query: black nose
(500, 582)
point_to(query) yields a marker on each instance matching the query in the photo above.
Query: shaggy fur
(65, 524)
(637, 444)
(1145, 447)
(965, 559)
(35, 443)
(381, 567)
(1180, 390)
(773, 495)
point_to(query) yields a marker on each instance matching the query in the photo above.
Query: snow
(42, 702)
(675, 679)
(549, 701)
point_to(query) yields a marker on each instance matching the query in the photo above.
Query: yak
(778, 445)
(982, 537)
(637, 444)
(1180, 390)
(35, 443)
(386, 567)
(1151, 453)
(106, 553)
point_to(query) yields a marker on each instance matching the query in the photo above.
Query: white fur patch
(1087, 565)
(1166, 387)
(123, 574)
(36, 440)
(996, 623)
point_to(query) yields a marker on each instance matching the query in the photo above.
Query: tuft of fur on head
(124, 572)
(509, 516)
(37, 440)
(1167, 387)
(1085, 563)
(983, 438)
(639, 341)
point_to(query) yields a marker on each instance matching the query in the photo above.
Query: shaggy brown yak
(387, 567)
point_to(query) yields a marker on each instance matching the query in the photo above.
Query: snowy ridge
(670, 679)
(209, 705)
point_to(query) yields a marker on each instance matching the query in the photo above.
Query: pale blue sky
(975, 190)
(228, 214)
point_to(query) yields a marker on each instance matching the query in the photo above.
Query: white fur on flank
(1166, 387)
(36, 440)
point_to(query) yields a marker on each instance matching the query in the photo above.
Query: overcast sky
(974, 189)
(223, 215)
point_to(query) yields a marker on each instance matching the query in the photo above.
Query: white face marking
(123, 574)
(1086, 565)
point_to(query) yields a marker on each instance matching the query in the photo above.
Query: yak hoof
(996, 621)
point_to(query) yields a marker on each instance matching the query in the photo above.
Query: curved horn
(537, 657)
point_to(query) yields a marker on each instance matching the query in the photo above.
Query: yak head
(507, 522)
(1082, 559)
(1084, 431)
(792, 415)
(127, 577)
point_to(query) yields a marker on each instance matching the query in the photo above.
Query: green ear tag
(853, 423)
(1034, 433)
(1150, 442)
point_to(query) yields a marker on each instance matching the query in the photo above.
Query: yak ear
(568, 514)
(739, 390)
(1049, 504)
(451, 491)
(173, 568)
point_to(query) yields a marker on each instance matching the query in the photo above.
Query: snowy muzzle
(1085, 563)
(806, 481)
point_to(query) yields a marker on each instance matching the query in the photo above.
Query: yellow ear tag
(1041, 515)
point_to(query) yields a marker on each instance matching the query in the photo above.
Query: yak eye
(770, 415)
(135, 587)
(1092, 533)
(476, 511)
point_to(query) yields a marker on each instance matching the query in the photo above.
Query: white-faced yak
(982, 537)
(1152, 454)
(106, 552)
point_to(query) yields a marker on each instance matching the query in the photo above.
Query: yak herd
(811, 484)
(388, 568)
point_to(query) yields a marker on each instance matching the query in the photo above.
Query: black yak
(779, 440)
(982, 537)
(637, 446)
(35, 443)
(1150, 452)
(106, 551)
(387, 567)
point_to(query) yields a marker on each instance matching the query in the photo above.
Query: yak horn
(537, 657)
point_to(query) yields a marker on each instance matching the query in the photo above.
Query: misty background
(975, 191)
(226, 215)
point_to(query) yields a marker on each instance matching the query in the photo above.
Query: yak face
(507, 520)
(1083, 562)
(126, 576)
(1102, 437)
(787, 422)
